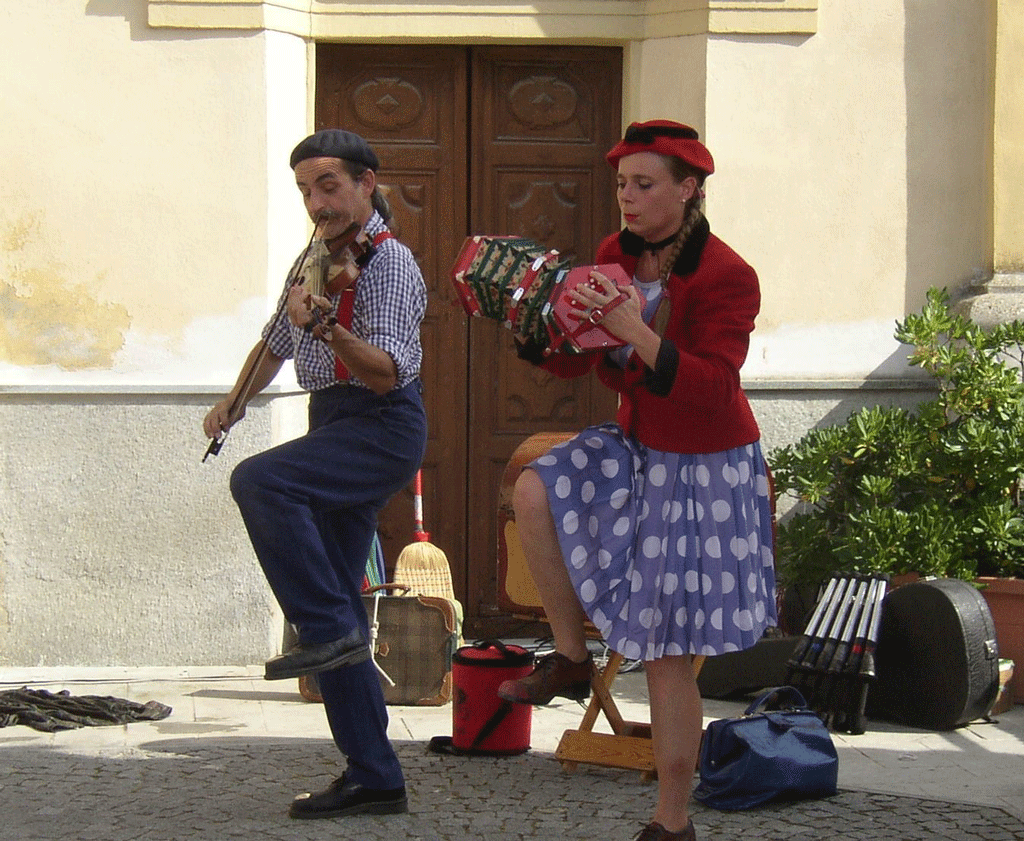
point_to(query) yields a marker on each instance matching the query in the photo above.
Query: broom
(423, 567)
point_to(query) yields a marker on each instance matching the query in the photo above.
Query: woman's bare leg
(544, 557)
(676, 723)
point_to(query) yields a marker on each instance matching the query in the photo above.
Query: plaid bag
(415, 638)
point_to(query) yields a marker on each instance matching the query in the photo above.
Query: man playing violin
(310, 505)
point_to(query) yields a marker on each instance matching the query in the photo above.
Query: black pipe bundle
(833, 663)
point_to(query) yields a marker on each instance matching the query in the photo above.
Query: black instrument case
(937, 662)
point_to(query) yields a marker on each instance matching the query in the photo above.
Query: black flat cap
(335, 143)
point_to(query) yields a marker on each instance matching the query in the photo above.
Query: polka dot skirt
(669, 553)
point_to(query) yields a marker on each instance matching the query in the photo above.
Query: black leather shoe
(346, 798)
(321, 657)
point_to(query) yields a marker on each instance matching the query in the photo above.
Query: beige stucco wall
(1009, 139)
(147, 216)
(853, 174)
(140, 179)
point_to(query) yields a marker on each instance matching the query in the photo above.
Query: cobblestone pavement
(235, 750)
(224, 788)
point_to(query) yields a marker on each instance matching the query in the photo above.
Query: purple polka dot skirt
(669, 553)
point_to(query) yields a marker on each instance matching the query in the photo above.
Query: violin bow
(244, 393)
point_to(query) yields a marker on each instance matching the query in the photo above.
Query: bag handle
(483, 645)
(778, 697)
(383, 587)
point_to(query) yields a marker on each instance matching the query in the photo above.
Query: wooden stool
(627, 746)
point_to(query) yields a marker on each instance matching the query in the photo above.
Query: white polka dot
(728, 582)
(587, 492)
(698, 619)
(646, 617)
(578, 557)
(666, 506)
(595, 442)
(681, 617)
(652, 547)
(671, 583)
(739, 548)
(630, 650)
(743, 620)
(594, 525)
(707, 650)
(618, 498)
(759, 612)
(636, 581)
(729, 646)
(547, 460)
(676, 512)
(706, 584)
(624, 613)
(644, 511)
(681, 546)
(579, 459)
(752, 583)
(621, 526)
(721, 510)
(698, 512)
(753, 543)
(731, 475)
(570, 522)
(673, 649)
(702, 476)
(657, 475)
(716, 619)
(588, 590)
(691, 581)
(744, 472)
(563, 487)
(713, 547)
(609, 468)
(604, 558)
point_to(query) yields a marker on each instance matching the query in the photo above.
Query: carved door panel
(544, 120)
(481, 140)
(409, 103)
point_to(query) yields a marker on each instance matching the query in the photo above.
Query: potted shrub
(936, 490)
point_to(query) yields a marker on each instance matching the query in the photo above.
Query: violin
(342, 258)
(346, 256)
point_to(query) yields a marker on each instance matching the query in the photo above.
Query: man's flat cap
(335, 143)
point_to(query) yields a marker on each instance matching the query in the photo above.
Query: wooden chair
(629, 744)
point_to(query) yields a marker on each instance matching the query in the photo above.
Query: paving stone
(220, 787)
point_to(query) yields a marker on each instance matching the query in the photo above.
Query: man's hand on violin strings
(299, 306)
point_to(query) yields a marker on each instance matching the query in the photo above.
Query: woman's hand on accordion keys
(592, 300)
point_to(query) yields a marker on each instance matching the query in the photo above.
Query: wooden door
(507, 140)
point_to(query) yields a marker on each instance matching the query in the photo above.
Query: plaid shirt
(391, 299)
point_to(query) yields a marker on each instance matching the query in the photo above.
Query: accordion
(525, 286)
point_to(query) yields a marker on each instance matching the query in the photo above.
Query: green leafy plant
(936, 490)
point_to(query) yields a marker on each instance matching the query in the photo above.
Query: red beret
(663, 137)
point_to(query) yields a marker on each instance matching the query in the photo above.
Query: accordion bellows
(524, 286)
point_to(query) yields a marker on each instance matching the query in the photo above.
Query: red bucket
(482, 723)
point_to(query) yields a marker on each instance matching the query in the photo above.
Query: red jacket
(692, 402)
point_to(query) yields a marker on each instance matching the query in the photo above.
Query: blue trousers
(310, 507)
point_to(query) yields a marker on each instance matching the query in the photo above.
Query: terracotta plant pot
(1005, 597)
